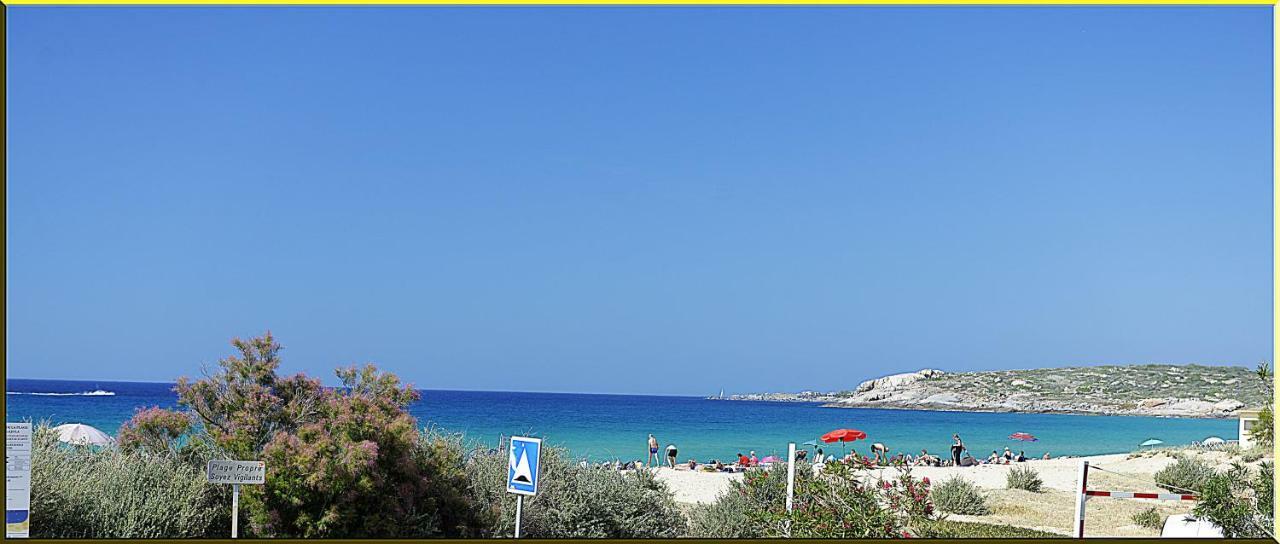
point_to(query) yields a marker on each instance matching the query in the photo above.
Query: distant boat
(722, 394)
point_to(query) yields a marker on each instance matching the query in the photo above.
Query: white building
(1248, 418)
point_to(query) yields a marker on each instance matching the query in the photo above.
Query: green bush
(77, 492)
(835, 504)
(728, 517)
(1239, 501)
(1186, 474)
(965, 529)
(1149, 518)
(959, 496)
(1024, 477)
(576, 501)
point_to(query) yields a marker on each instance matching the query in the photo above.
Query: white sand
(1061, 474)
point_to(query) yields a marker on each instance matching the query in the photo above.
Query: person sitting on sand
(755, 462)
(693, 464)
(968, 461)
(1008, 455)
(743, 460)
(1046, 456)
(818, 458)
(671, 455)
(1022, 456)
(994, 459)
(801, 455)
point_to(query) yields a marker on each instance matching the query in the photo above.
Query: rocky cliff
(1151, 390)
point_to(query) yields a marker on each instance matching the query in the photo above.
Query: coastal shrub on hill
(1024, 477)
(959, 496)
(1186, 474)
(78, 492)
(341, 462)
(840, 502)
(1240, 501)
(576, 500)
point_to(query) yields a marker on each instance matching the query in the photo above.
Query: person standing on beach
(653, 452)
(956, 449)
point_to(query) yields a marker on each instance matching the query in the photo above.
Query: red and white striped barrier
(1132, 495)
(1085, 493)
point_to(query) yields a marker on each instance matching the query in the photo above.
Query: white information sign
(17, 480)
(236, 473)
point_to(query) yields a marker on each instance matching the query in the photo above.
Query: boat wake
(94, 393)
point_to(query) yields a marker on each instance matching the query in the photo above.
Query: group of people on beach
(879, 456)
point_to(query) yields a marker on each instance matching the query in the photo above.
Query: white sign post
(236, 473)
(522, 470)
(17, 480)
(791, 482)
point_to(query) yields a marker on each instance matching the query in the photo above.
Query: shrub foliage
(1024, 477)
(960, 496)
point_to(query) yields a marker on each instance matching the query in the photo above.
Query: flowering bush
(341, 462)
(154, 430)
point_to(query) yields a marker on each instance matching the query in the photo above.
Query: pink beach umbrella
(771, 459)
(1025, 437)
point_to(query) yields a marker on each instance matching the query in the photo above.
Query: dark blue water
(617, 426)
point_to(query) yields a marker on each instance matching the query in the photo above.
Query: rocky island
(1145, 390)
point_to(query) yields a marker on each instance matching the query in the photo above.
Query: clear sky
(638, 200)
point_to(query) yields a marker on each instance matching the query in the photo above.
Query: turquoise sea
(601, 427)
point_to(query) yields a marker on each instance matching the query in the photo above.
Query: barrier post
(1081, 497)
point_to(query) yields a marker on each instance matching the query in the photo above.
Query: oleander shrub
(80, 492)
(959, 496)
(575, 501)
(1186, 474)
(1149, 518)
(1024, 477)
(1240, 501)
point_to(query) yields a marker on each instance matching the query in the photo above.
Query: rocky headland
(1145, 390)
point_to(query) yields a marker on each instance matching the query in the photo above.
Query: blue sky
(638, 200)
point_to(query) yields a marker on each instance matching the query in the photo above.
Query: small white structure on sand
(79, 434)
(1248, 418)
(1183, 526)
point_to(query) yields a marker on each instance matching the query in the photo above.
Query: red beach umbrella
(1025, 437)
(843, 435)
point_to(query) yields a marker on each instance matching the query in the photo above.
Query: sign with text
(17, 480)
(237, 472)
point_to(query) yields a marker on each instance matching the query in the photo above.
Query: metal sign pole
(519, 500)
(791, 473)
(1081, 497)
(235, 509)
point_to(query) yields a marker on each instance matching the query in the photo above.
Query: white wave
(94, 393)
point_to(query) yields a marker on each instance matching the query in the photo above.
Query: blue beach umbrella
(1151, 442)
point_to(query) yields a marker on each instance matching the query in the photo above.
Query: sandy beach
(1050, 510)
